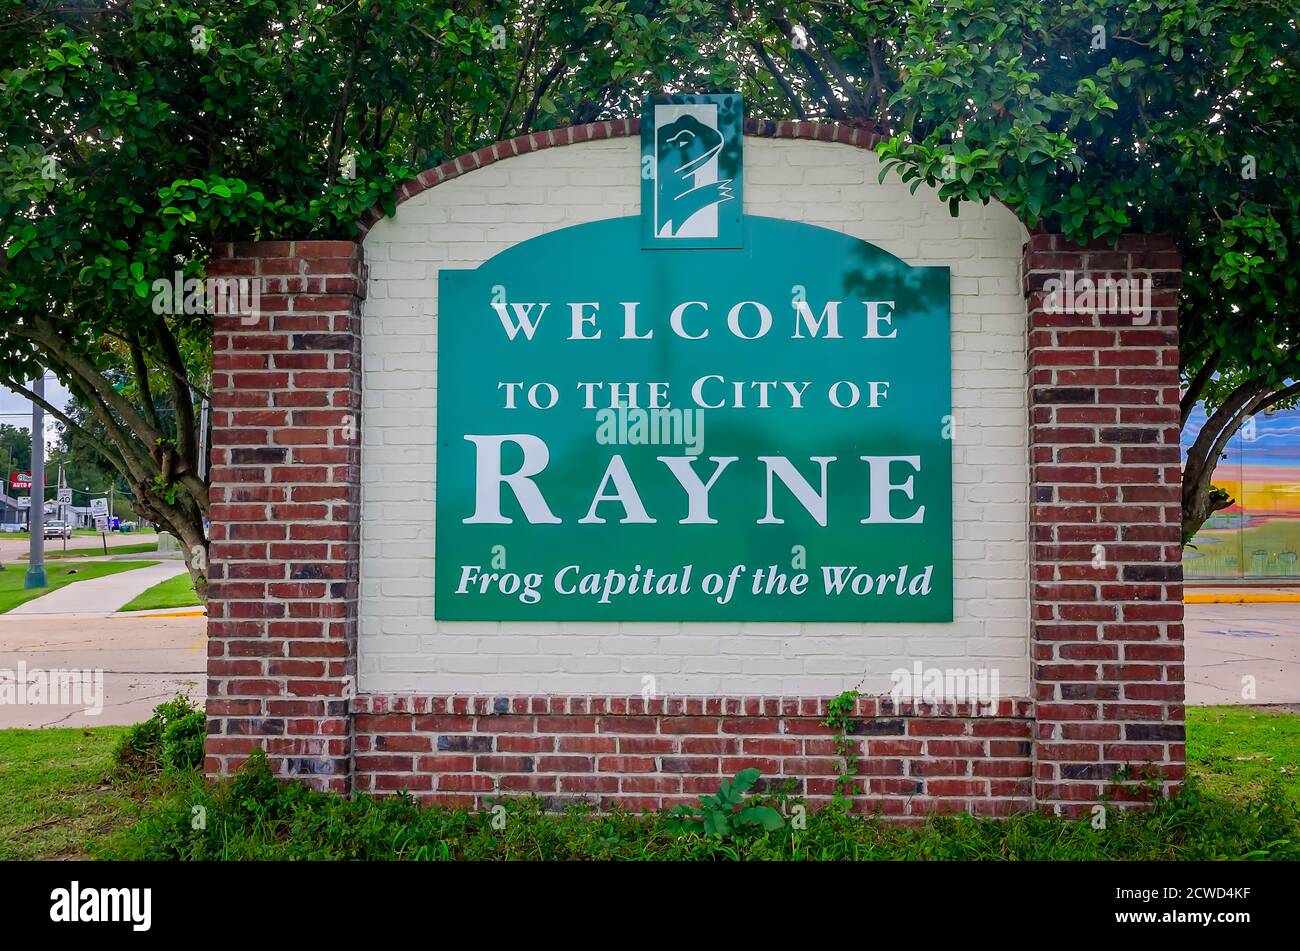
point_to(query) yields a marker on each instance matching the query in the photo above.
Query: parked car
(57, 529)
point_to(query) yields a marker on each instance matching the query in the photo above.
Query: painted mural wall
(1258, 536)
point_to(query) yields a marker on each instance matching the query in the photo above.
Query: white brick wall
(463, 222)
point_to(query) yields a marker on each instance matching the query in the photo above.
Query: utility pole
(36, 513)
(8, 485)
(9, 461)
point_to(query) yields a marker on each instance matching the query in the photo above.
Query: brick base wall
(653, 754)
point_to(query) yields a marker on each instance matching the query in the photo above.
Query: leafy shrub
(182, 742)
(171, 740)
(254, 816)
(729, 812)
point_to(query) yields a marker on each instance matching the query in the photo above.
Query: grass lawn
(175, 592)
(58, 800)
(54, 793)
(13, 594)
(1238, 750)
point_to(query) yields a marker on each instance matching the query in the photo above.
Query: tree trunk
(184, 520)
(1200, 497)
(1198, 510)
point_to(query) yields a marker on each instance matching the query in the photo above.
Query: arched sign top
(597, 131)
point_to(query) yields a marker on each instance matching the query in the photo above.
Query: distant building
(12, 515)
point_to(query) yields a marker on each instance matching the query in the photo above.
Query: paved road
(1229, 642)
(99, 595)
(15, 549)
(144, 660)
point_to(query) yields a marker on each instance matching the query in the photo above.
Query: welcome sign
(631, 429)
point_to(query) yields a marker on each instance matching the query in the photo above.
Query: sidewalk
(100, 595)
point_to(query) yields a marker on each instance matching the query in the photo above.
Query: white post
(203, 433)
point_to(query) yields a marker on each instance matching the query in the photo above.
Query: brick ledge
(1020, 708)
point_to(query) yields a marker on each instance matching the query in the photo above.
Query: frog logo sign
(691, 148)
(683, 150)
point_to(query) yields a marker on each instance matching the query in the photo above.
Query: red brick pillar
(1107, 611)
(282, 603)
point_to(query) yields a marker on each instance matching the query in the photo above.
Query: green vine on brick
(839, 717)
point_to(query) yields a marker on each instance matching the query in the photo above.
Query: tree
(16, 447)
(136, 136)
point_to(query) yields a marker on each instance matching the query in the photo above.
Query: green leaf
(745, 780)
(764, 816)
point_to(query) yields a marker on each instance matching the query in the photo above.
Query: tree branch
(781, 81)
(136, 461)
(182, 397)
(519, 76)
(1197, 386)
(1283, 394)
(89, 375)
(142, 382)
(811, 67)
(551, 75)
(58, 414)
(837, 70)
(183, 377)
(1230, 407)
(332, 155)
(1213, 438)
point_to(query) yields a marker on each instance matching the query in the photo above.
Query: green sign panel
(633, 433)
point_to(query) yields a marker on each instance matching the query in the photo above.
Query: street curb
(150, 613)
(1244, 597)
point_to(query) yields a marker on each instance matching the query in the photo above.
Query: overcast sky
(17, 411)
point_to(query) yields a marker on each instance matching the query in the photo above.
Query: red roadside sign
(20, 480)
